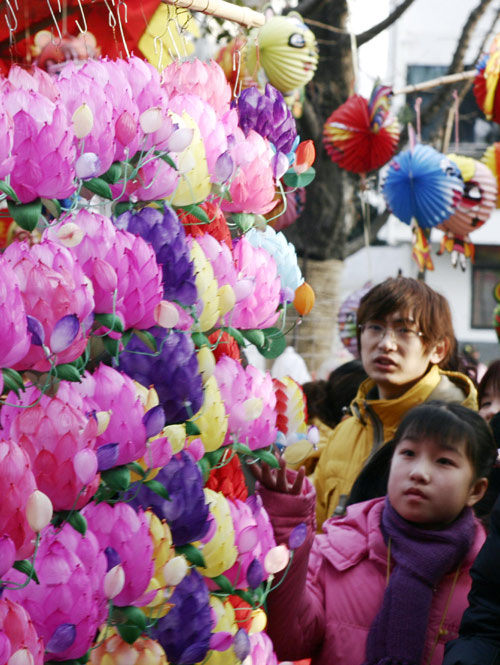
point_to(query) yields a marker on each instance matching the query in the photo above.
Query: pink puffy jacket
(325, 606)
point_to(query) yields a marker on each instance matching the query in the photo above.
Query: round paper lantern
(478, 198)
(486, 89)
(287, 52)
(491, 158)
(361, 135)
(424, 184)
(346, 319)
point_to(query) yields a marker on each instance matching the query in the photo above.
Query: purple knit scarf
(422, 557)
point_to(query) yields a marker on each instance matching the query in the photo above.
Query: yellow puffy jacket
(374, 422)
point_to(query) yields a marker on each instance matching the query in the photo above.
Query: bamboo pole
(433, 83)
(222, 9)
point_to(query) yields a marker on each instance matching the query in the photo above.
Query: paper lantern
(422, 184)
(486, 90)
(478, 198)
(361, 135)
(347, 319)
(287, 52)
(491, 158)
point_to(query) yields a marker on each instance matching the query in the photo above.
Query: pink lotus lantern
(17, 484)
(69, 604)
(250, 403)
(19, 641)
(43, 146)
(122, 267)
(7, 160)
(58, 298)
(123, 535)
(59, 435)
(252, 189)
(124, 439)
(205, 79)
(12, 317)
(258, 288)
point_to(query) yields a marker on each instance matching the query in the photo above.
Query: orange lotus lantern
(304, 299)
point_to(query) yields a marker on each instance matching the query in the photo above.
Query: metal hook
(84, 31)
(111, 16)
(11, 29)
(56, 24)
(124, 4)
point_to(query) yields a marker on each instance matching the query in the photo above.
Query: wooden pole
(222, 9)
(433, 83)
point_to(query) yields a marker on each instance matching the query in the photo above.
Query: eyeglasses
(401, 333)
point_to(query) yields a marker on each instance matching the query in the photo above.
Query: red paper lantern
(486, 88)
(362, 135)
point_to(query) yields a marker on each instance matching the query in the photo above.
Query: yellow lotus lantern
(207, 288)
(163, 551)
(226, 623)
(194, 182)
(211, 419)
(219, 552)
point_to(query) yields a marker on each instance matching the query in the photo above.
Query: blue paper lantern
(422, 184)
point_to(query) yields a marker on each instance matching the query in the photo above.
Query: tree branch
(358, 242)
(380, 27)
(457, 64)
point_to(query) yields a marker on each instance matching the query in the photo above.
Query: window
(485, 276)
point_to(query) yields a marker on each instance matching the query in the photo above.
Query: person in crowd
(488, 392)
(406, 337)
(387, 583)
(479, 639)
(328, 401)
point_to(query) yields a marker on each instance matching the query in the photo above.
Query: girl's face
(490, 404)
(430, 483)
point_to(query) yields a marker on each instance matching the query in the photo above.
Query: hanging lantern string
(457, 117)
(418, 103)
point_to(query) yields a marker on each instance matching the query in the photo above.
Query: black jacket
(479, 639)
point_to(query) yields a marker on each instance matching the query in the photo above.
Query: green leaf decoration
(68, 372)
(113, 174)
(192, 554)
(292, 179)
(26, 567)
(215, 456)
(256, 337)
(242, 449)
(127, 335)
(246, 595)
(128, 633)
(7, 189)
(275, 343)
(136, 468)
(199, 339)
(122, 206)
(224, 584)
(266, 456)
(131, 616)
(204, 466)
(100, 187)
(12, 380)
(236, 334)
(166, 158)
(26, 215)
(147, 339)
(197, 212)
(111, 345)
(111, 321)
(53, 207)
(78, 522)
(117, 478)
(243, 220)
(192, 428)
(157, 488)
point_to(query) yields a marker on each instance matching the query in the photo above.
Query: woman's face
(490, 404)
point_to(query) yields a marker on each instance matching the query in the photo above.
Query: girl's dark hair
(490, 379)
(452, 424)
(327, 400)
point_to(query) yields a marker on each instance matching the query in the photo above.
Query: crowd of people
(400, 502)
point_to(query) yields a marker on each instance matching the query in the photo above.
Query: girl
(488, 392)
(386, 584)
